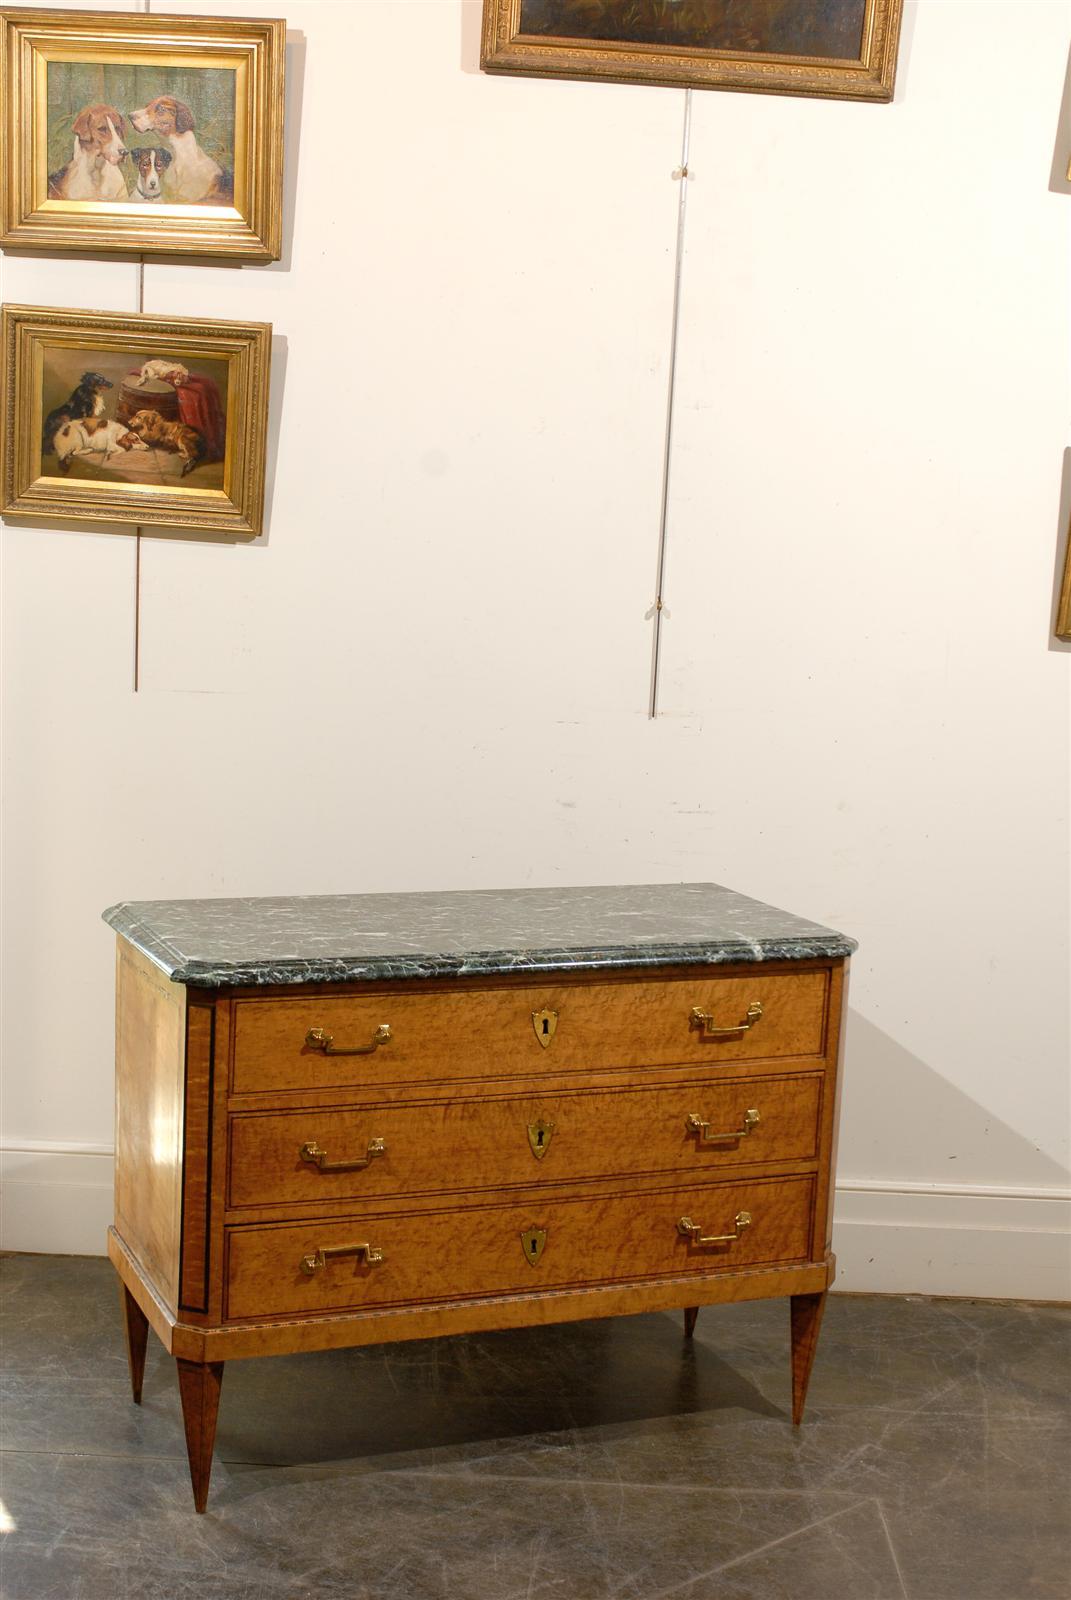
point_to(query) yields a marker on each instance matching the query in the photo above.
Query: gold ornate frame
(250, 230)
(870, 77)
(237, 508)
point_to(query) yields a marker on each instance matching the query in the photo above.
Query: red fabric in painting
(200, 408)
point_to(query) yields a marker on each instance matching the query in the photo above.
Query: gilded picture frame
(142, 133)
(154, 421)
(842, 50)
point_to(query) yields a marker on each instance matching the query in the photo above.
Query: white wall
(432, 671)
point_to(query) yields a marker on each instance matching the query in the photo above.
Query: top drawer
(419, 1035)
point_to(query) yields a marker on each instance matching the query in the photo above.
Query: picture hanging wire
(682, 176)
(137, 531)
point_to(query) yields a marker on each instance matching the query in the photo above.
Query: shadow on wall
(471, 36)
(294, 94)
(1060, 174)
(1063, 540)
(279, 356)
(901, 1121)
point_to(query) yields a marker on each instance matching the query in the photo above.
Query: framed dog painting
(147, 420)
(136, 132)
(838, 49)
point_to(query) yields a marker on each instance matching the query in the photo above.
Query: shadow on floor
(602, 1460)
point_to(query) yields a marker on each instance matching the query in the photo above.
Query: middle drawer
(317, 1156)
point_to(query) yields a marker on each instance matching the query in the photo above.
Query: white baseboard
(56, 1199)
(982, 1241)
(988, 1241)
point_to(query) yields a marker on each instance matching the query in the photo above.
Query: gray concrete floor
(594, 1461)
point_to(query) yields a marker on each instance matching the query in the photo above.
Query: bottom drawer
(526, 1246)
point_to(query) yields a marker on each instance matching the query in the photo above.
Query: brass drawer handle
(320, 1039)
(705, 1022)
(694, 1230)
(311, 1152)
(310, 1264)
(695, 1124)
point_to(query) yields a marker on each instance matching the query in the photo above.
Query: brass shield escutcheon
(545, 1024)
(532, 1241)
(539, 1136)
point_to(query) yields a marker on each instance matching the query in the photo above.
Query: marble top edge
(366, 938)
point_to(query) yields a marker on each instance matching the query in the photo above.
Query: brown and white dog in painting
(93, 172)
(159, 434)
(162, 371)
(150, 164)
(93, 436)
(195, 178)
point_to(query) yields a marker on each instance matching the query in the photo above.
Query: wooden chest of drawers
(420, 1115)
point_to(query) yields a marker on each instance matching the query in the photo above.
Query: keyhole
(532, 1247)
(539, 1137)
(546, 1025)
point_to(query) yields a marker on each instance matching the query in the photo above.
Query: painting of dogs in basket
(145, 135)
(122, 416)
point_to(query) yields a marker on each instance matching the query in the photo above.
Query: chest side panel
(150, 1072)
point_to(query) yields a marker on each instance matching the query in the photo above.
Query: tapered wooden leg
(690, 1314)
(199, 1386)
(807, 1312)
(136, 1328)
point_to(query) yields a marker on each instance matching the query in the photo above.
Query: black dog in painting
(87, 400)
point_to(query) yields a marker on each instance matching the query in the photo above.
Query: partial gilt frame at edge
(506, 49)
(237, 509)
(30, 221)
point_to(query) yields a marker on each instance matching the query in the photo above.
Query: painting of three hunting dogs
(114, 416)
(140, 135)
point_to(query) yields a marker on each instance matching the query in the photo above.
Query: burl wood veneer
(356, 1119)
